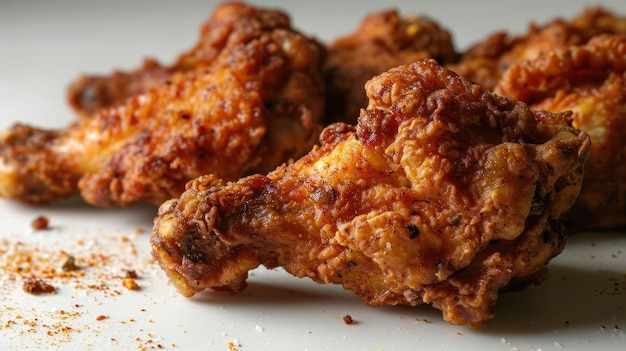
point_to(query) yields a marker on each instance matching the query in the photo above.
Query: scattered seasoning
(232, 347)
(38, 286)
(91, 265)
(347, 319)
(130, 284)
(40, 223)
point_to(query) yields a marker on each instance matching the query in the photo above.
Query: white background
(46, 44)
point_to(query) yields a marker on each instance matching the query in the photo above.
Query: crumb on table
(38, 286)
(40, 223)
(347, 319)
(130, 283)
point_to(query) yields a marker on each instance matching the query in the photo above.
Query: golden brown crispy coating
(383, 40)
(258, 105)
(231, 24)
(589, 80)
(444, 193)
(486, 61)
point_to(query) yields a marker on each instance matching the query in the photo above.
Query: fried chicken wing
(485, 62)
(589, 80)
(258, 105)
(231, 24)
(444, 193)
(383, 40)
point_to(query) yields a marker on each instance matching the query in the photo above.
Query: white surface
(46, 44)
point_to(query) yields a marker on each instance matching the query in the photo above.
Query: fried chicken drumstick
(256, 106)
(589, 80)
(231, 24)
(486, 61)
(383, 40)
(444, 193)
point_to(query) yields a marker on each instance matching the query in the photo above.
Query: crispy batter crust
(589, 80)
(256, 106)
(444, 193)
(382, 41)
(485, 62)
(231, 24)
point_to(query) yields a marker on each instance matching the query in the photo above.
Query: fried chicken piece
(383, 40)
(230, 25)
(258, 105)
(485, 62)
(589, 80)
(443, 193)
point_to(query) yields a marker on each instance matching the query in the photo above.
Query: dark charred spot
(270, 104)
(194, 257)
(546, 236)
(414, 232)
(537, 205)
(189, 247)
(454, 220)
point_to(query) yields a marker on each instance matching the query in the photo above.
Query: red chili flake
(101, 317)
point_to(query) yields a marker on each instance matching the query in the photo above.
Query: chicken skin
(486, 61)
(444, 193)
(256, 106)
(383, 40)
(230, 25)
(589, 80)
